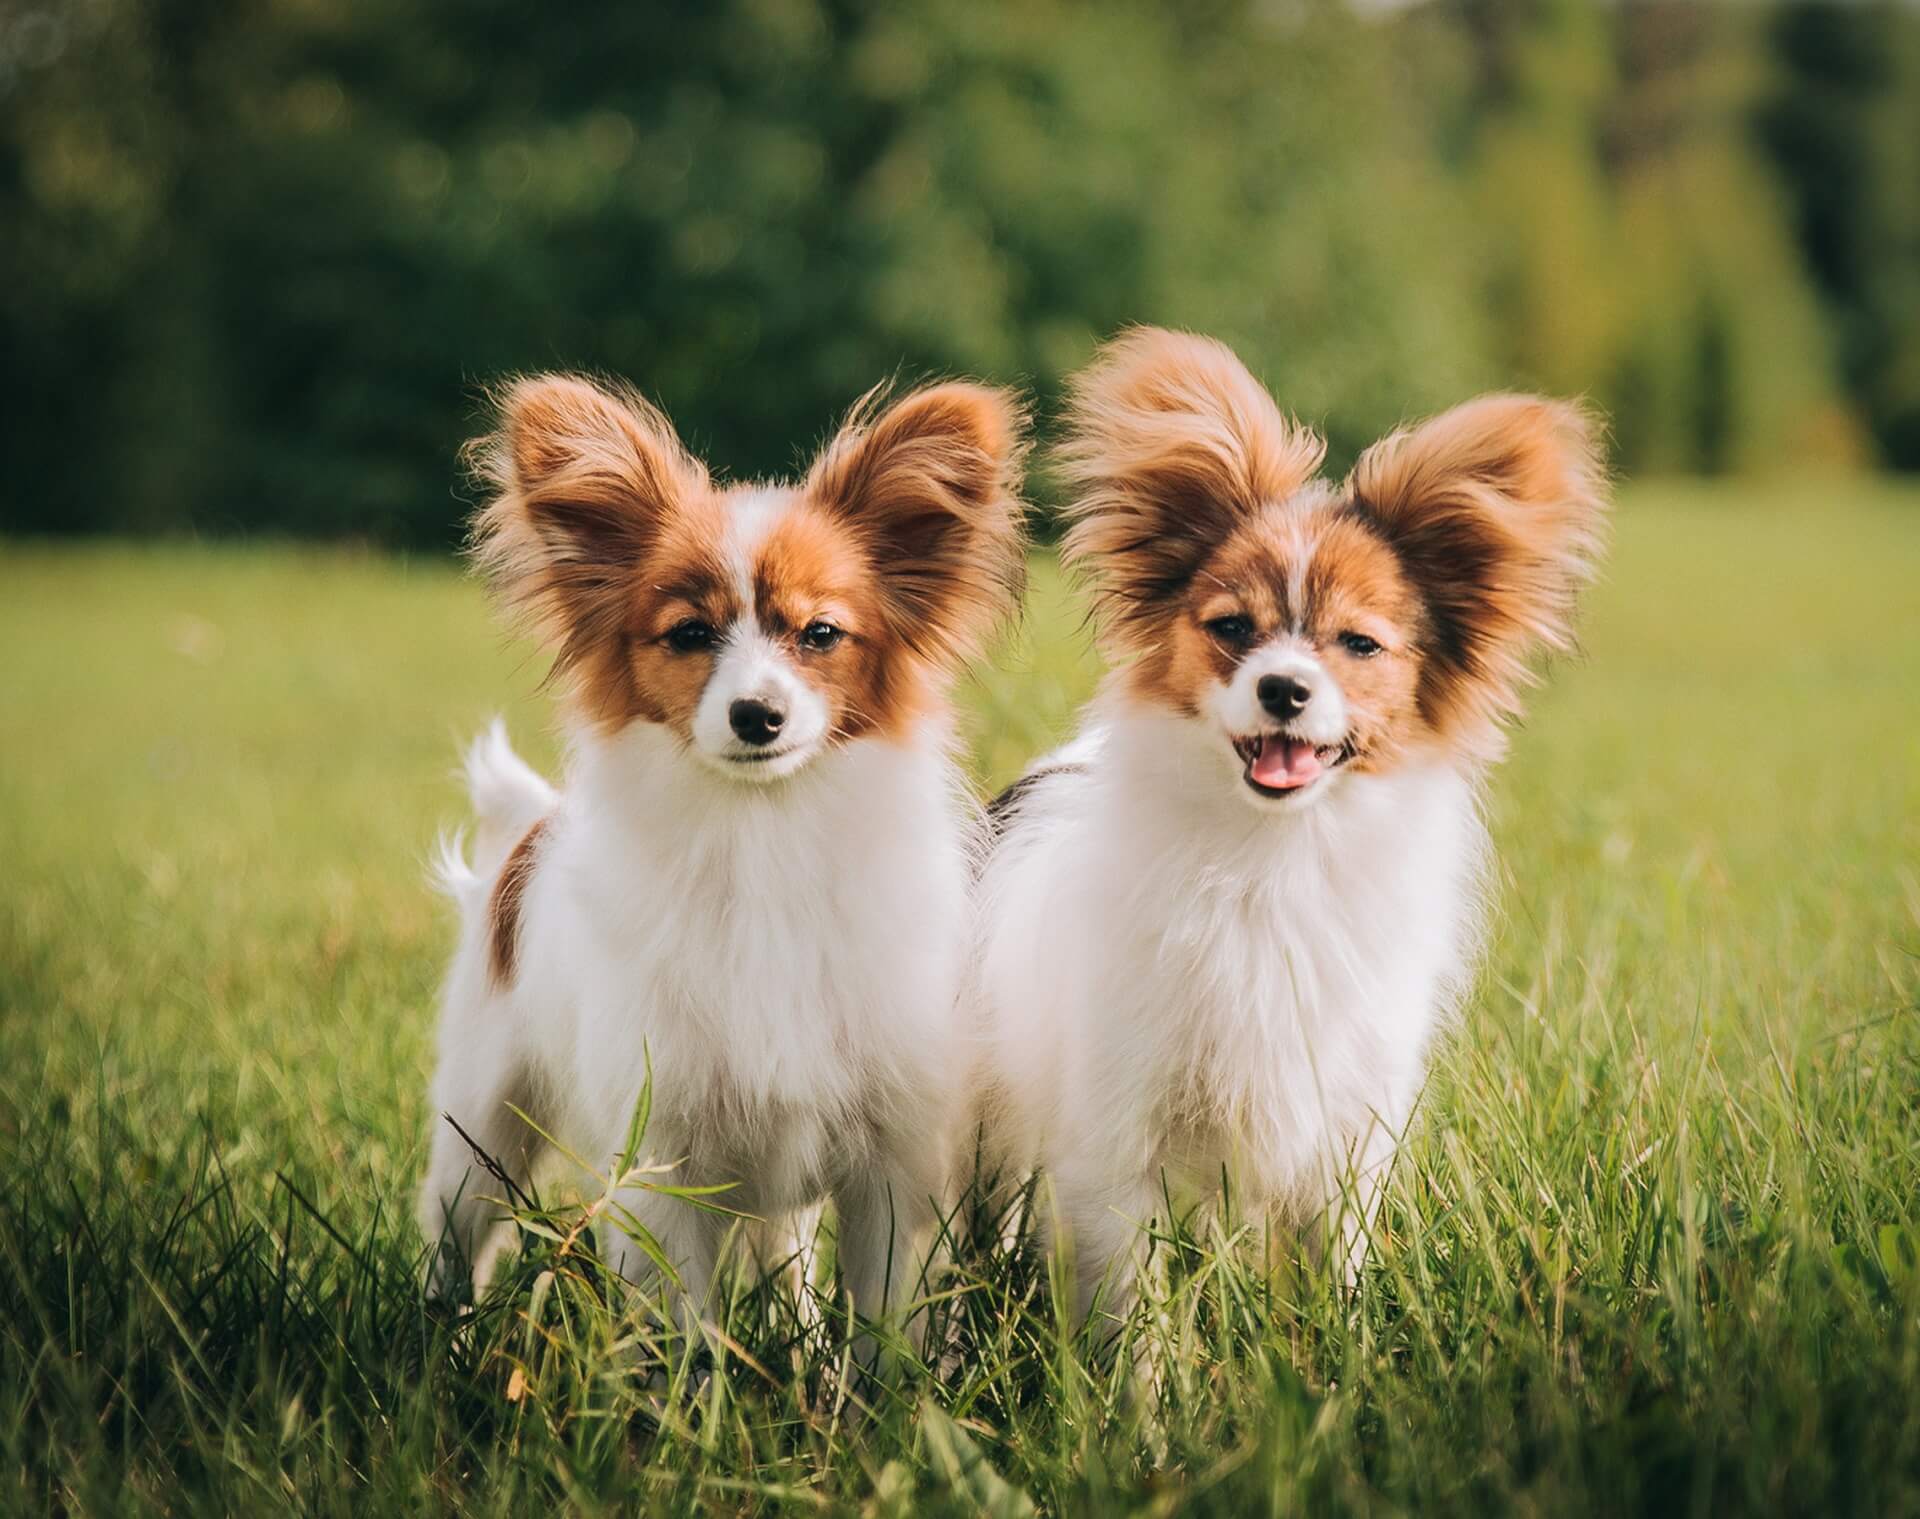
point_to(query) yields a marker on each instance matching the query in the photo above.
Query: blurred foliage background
(258, 256)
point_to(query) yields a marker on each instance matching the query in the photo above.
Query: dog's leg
(1356, 1183)
(1104, 1224)
(780, 1252)
(462, 1202)
(885, 1215)
(690, 1238)
(687, 1235)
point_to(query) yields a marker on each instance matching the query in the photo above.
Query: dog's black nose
(1282, 695)
(755, 721)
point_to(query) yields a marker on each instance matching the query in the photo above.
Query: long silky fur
(1169, 443)
(781, 943)
(1497, 510)
(1183, 977)
(931, 483)
(577, 474)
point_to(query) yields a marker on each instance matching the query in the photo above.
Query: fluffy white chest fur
(779, 955)
(786, 958)
(1180, 987)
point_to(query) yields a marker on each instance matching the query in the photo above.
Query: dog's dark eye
(1359, 645)
(690, 637)
(820, 636)
(1236, 629)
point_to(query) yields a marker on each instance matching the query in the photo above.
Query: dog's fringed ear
(1171, 444)
(931, 486)
(580, 480)
(1497, 510)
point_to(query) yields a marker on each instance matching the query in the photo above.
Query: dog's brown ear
(581, 479)
(931, 486)
(1497, 510)
(1171, 444)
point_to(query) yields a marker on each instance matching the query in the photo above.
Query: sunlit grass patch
(1653, 1245)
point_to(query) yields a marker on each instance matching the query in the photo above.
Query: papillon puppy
(755, 878)
(1220, 928)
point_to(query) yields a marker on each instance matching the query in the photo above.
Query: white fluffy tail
(509, 797)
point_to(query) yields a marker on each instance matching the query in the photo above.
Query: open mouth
(1279, 765)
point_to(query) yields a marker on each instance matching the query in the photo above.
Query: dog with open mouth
(1221, 927)
(755, 878)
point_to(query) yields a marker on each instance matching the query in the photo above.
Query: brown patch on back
(503, 908)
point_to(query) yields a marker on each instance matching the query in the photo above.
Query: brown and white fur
(756, 873)
(1221, 927)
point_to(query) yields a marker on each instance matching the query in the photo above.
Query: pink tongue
(1284, 763)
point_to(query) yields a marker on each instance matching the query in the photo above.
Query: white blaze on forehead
(1300, 539)
(751, 516)
(1297, 546)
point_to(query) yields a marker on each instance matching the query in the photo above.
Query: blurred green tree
(1842, 122)
(260, 258)
(1637, 253)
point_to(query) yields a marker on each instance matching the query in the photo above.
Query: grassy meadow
(1652, 1249)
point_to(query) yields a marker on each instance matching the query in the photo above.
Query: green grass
(1653, 1247)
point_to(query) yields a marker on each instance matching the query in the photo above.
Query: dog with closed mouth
(1221, 927)
(756, 874)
